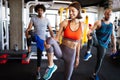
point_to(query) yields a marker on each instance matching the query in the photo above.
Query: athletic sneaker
(97, 77)
(28, 57)
(87, 56)
(49, 72)
(94, 77)
(38, 76)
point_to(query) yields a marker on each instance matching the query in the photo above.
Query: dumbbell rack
(6, 55)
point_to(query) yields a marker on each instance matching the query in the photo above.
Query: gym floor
(14, 70)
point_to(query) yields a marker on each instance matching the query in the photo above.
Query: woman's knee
(49, 40)
(49, 50)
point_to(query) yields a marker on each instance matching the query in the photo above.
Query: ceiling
(84, 3)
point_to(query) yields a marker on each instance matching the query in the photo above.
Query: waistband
(69, 43)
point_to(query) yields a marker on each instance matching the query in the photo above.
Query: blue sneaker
(49, 72)
(97, 77)
(94, 77)
(87, 56)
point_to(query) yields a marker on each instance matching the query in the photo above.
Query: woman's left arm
(78, 50)
(77, 54)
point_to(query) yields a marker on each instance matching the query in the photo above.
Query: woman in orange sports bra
(70, 48)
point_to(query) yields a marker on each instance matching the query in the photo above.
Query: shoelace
(47, 70)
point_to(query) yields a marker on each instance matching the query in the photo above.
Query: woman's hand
(55, 38)
(76, 62)
(46, 45)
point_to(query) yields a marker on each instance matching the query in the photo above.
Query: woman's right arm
(62, 26)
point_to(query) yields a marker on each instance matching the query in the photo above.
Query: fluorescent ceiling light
(64, 2)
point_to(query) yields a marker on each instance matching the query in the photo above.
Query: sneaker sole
(52, 73)
(87, 58)
(38, 78)
(27, 59)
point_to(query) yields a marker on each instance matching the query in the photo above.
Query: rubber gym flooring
(14, 70)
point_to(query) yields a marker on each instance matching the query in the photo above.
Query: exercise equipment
(85, 31)
(4, 28)
(5, 55)
(117, 54)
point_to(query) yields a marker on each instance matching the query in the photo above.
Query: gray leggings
(101, 51)
(64, 52)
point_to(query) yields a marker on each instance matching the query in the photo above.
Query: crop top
(74, 35)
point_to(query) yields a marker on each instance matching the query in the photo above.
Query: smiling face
(73, 12)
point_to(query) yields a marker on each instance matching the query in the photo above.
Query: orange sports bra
(74, 35)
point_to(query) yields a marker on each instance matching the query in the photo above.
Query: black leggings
(101, 51)
(39, 55)
(39, 52)
(89, 44)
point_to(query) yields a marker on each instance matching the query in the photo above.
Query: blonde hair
(108, 10)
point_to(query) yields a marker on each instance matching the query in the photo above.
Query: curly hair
(40, 6)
